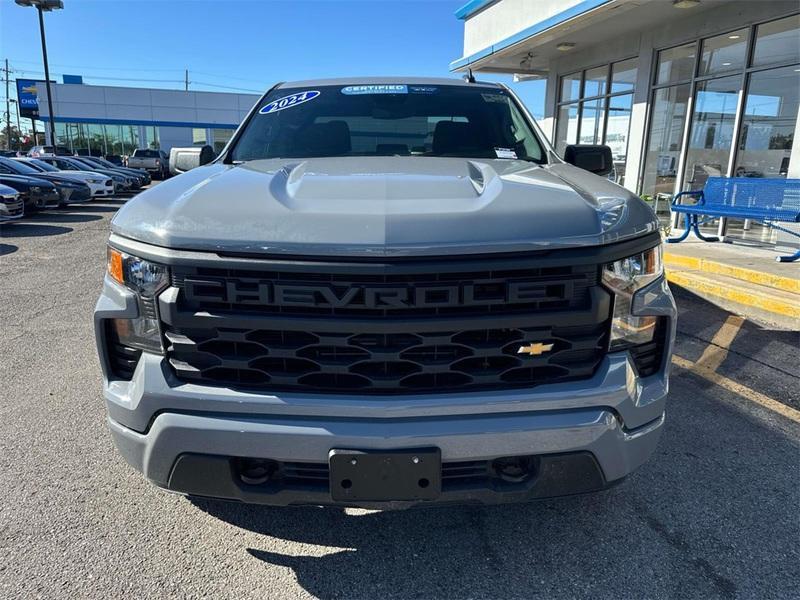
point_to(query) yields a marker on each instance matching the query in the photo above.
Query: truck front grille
(385, 330)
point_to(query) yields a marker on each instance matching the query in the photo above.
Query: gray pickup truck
(387, 292)
(154, 162)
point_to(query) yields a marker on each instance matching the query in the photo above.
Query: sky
(238, 45)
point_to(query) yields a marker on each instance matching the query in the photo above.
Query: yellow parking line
(737, 388)
(717, 351)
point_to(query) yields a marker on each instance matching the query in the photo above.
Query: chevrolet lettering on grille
(259, 292)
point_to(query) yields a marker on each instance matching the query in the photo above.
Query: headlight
(95, 180)
(36, 189)
(146, 279)
(625, 277)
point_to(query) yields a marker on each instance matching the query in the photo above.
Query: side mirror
(186, 159)
(595, 159)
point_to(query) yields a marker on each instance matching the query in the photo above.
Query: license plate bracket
(384, 476)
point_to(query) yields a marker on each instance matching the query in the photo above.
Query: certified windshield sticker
(422, 89)
(505, 153)
(289, 101)
(493, 97)
(382, 88)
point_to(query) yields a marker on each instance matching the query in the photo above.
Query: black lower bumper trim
(215, 476)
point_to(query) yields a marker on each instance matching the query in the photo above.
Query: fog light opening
(514, 469)
(256, 471)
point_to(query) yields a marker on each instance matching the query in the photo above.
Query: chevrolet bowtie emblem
(535, 349)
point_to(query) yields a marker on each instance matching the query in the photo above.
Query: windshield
(84, 164)
(40, 164)
(388, 120)
(18, 167)
(146, 153)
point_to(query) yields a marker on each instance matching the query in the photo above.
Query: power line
(31, 62)
(227, 87)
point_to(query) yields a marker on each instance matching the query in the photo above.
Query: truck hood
(383, 206)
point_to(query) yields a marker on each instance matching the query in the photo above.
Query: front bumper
(101, 190)
(75, 195)
(11, 208)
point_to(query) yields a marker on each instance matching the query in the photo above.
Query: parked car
(69, 190)
(445, 312)
(12, 207)
(101, 162)
(155, 162)
(37, 194)
(141, 173)
(100, 185)
(115, 159)
(38, 151)
(122, 183)
(139, 179)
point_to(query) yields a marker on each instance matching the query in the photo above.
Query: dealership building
(117, 120)
(680, 90)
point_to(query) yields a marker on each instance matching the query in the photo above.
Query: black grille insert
(386, 329)
(386, 363)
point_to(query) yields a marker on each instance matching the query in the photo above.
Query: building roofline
(101, 121)
(471, 7)
(535, 29)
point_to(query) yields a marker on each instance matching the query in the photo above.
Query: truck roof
(381, 80)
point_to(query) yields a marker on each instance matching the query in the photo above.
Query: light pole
(43, 6)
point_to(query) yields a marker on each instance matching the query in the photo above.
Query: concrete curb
(705, 265)
(769, 302)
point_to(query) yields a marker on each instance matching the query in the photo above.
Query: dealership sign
(27, 94)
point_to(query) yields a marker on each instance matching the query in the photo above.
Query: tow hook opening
(256, 471)
(515, 469)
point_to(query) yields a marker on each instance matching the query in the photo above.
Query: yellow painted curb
(779, 282)
(746, 297)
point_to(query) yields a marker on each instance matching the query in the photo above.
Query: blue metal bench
(768, 201)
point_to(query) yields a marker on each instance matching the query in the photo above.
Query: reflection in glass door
(712, 130)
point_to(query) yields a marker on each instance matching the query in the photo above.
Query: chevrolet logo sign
(536, 349)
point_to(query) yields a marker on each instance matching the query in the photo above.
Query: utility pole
(186, 80)
(8, 110)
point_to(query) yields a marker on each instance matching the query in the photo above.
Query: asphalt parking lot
(715, 513)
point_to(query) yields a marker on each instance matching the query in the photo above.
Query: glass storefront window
(595, 82)
(97, 140)
(768, 116)
(668, 113)
(567, 127)
(711, 136)
(591, 114)
(623, 76)
(618, 125)
(676, 64)
(221, 137)
(768, 123)
(777, 42)
(570, 87)
(62, 137)
(591, 122)
(724, 53)
(198, 137)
